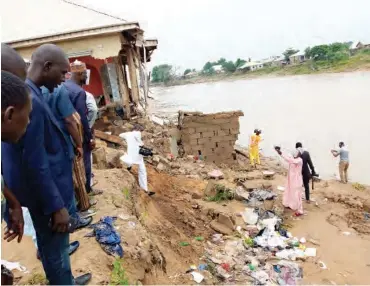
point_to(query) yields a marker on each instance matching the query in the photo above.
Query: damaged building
(210, 136)
(114, 50)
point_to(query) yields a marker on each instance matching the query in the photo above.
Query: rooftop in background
(62, 17)
(297, 54)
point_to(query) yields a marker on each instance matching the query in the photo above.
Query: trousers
(53, 248)
(343, 171)
(306, 184)
(87, 163)
(254, 155)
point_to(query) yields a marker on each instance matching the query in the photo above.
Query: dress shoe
(83, 279)
(73, 246)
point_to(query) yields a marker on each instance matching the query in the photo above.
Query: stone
(100, 158)
(210, 190)
(215, 174)
(225, 220)
(241, 194)
(220, 228)
(113, 158)
(196, 196)
(251, 185)
(366, 205)
(156, 159)
(268, 175)
(175, 165)
(161, 167)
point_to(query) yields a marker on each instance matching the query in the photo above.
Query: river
(317, 110)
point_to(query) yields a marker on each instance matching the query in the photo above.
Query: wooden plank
(123, 87)
(241, 152)
(110, 138)
(132, 74)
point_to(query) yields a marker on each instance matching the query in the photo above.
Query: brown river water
(317, 110)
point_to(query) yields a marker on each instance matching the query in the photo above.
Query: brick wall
(211, 135)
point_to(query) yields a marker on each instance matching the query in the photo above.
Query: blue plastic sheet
(107, 236)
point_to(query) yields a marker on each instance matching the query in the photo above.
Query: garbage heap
(259, 252)
(210, 136)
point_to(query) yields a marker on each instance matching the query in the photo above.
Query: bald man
(39, 169)
(12, 62)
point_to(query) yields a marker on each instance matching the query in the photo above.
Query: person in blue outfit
(77, 96)
(39, 169)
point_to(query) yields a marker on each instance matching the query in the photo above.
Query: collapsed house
(114, 50)
(209, 136)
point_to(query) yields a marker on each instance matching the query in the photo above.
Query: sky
(192, 32)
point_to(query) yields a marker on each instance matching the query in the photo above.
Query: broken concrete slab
(241, 194)
(210, 190)
(215, 174)
(220, 228)
(100, 158)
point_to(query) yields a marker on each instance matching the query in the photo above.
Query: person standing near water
(254, 154)
(292, 197)
(308, 169)
(343, 162)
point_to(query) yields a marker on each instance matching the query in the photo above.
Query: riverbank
(163, 236)
(358, 62)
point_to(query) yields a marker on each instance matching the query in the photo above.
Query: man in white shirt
(92, 114)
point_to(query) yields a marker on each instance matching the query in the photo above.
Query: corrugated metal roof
(29, 19)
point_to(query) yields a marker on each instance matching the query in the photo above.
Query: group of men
(47, 141)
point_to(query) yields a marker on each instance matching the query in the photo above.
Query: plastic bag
(249, 216)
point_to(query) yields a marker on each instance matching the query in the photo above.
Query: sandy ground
(153, 228)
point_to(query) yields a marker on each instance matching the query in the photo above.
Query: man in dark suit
(39, 169)
(308, 169)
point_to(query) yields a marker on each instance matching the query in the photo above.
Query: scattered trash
(249, 216)
(197, 277)
(347, 233)
(217, 237)
(280, 188)
(287, 273)
(251, 267)
(302, 240)
(261, 276)
(124, 216)
(313, 241)
(310, 252)
(226, 266)
(13, 266)
(262, 195)
(183, 243)
(202, 267)
(107, 236)
(322, 265)
(199, 238)
(269, 175)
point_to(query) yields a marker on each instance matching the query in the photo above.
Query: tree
(307, 52)
(239, 63)
(187, 71)
(229, 67)
(319, 52)
(289, 52)
(208, 68)
(162, 73)
(221, 61)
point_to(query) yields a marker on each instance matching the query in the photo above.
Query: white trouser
(142, 176)
(92, 179)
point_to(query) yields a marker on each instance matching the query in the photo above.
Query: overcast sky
(192, 32)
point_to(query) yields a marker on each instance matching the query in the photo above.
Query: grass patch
(126, 193)
(222, 194)
(37, 279)
(118, 275)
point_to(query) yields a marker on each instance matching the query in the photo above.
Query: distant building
(279, 62)
(297, 58)
(218, 69)
(356, 46)
(191, 74)
(251, 66)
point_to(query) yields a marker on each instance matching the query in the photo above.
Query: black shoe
(83, 279)
(151, 194)
(129, 168)
(83, 222)
(73, 246)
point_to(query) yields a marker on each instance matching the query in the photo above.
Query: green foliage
(208, 68)
(118, 275)
(239, 62)
(221, 61)
(307, 52)
(333, 53)
(289, 52)
(229, 67)
(187, 71)
(222, 194)
(162, 73)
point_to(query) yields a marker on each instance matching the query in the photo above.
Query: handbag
(144, 151)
